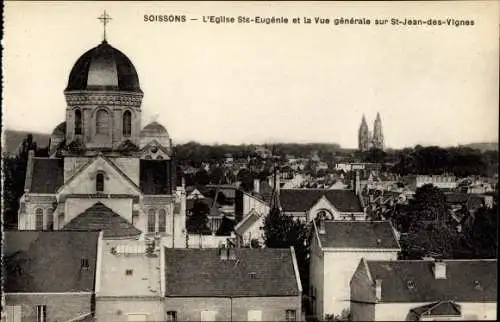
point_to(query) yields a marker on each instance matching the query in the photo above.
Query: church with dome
(105, 171)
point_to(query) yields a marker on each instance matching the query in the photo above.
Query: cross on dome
(104, 18)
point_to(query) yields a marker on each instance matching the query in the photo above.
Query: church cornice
(108, 98)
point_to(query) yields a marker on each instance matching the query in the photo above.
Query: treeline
(460, 161)
(193, 153)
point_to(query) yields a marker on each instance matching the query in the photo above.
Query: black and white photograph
(250, 161)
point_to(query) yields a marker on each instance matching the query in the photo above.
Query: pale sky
(255, 83)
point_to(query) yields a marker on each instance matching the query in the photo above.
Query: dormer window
(84, 264)
(127, 123)
(99, 182)
(410, 284)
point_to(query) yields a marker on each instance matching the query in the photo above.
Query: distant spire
(104, 18)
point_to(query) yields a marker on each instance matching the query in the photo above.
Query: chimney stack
(183, 182)
(357, 183)
(256, 185)
(378, 289)
(439, 270)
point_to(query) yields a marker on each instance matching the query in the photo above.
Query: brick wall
(236, 309)
(60, 307)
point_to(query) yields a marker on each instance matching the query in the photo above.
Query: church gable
(324, 207)
(100, 176)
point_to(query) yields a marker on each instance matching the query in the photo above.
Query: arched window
(151, 221)
(39, 219)
(127, 123)
(162, 220)
(102, 122)
(99, 182)
(50, 219)
(78, 122)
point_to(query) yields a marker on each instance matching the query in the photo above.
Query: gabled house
(308, 204)
(232, 284)
(50, 275)
(128, 283)
(250, 229)
(336, 247)
(424, 290)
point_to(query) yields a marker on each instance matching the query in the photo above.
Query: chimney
(378, 289)
(256, 185)
(358, 184)
(183, 183)
(321, 226)
(439, 270)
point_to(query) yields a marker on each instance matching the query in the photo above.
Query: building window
(41, 313)
(129, 272)
(127, 123)
(78, 122)
(162, 220)
(254, 315)
(172, 316)
(99, 182)
(50, 219)
(290, 315)
(102, 122)
(151, 221)
(39, 219)
(208, 315)
(84, 264)
(60, 221)
(13, 313)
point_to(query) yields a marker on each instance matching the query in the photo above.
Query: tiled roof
(49, 261)
(301, 200)
(156, 177)
(359, 234)
(48, 175)
(255, 272)
(441, 308)
(466, 281)
(100, 217)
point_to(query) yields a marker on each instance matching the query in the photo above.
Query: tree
(201, 177)
(197, 222)
(246, 179)
(14, 176)
(282, 231)
(226, 227)
(479, 235)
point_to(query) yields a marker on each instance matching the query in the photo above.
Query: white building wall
(399, 311)
(129, 166)
(339, 268)
(250, 202)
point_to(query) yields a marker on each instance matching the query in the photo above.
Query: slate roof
(301, 200)
(100, 217)
(155, 177)
(214, 277)
(359, 234)
(466, 281)
(48, 175)
(49, 261)
(441, 308)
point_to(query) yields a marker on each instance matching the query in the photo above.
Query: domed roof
(104, 68)
(60, 129)
(154, 129)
